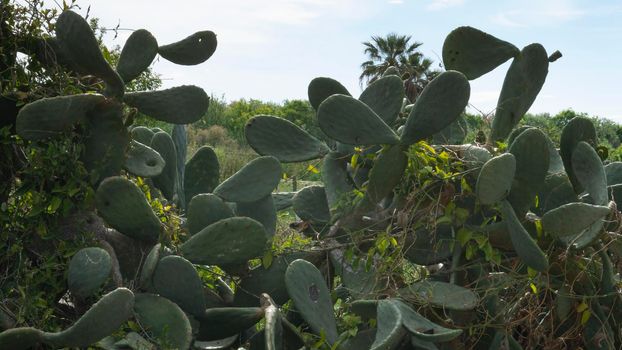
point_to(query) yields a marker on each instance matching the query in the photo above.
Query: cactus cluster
(547, 214)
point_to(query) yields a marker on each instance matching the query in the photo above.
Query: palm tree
(397, 51)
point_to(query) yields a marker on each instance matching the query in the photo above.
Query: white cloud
(436, 5)
(540, 13)
(396, 2)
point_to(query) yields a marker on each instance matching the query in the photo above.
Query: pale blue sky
(271, 49)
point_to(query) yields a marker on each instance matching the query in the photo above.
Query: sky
(271, 49)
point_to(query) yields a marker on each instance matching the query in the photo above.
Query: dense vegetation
(424, 228)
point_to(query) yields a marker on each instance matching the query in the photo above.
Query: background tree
(399, 52)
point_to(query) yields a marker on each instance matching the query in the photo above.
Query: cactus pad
(262, 210)
(23, 338)
(143, 160)
(588, 168)
(352, 122)
(475, 53)
(192, 50)
(386, 173)
(51, 116)
(440, 104)
(440, 294)
(321, 88)
(282, 139)
(390, 331)
(138, 52)
(226, 242)
(202, 173)
(384, 96)
(495, 179)
(176, 279)
(179, 105)
(223, 322)
(162, 143)
(254, 181)
(163, 320)
(572, 218)
(310, 205)
(88, 270)
(526, 248)
(142, 134)
(306, 286)
(522, 84)
(578, 129)
(124, 207)
(204, 210)
(422, 328)
(102, 319)
(149, 266)
(79, 43)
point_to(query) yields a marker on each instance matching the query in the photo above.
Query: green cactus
(164, 321)
(390, 330)
(495, 179)
(589, 171)
(352, 122)
(573, 218)
(310, 205)
(142, 134)
(384, 96)
(138, 52)
(124, 207)
(179, 105)
(194, 49)
(262, 210)
(149, 266)
(254, 181)
(202, 173)
(88, 270)
(226, 242)
(321, 88)
(306, 286)
(166, 181)
(176, 279)
(521, 86)
(440, 294)
(526, 248)
(223, 322)
(23, 338)
(475, 53)
(204, 210)
(282, 139)
(440, 104)
(143, 160)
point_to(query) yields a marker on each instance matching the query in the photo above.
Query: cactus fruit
(526, 248)
(475, 53)
(175, 278)
(51, 116)
(495, 179)
(440, 294)
(143, 160)
(124, 207)
(229, 241)
(521, 86)
(138, 52)
(282, 139)
(254, 181)
(384, 96)
(79, 43)
(192, 50)
(88, 269)
(352, 122)
(204, 210)
(163, 320)
(179, 105)
(440, 104)
(321, 88)
(166, 181)
(307, 289)
(202, 173)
